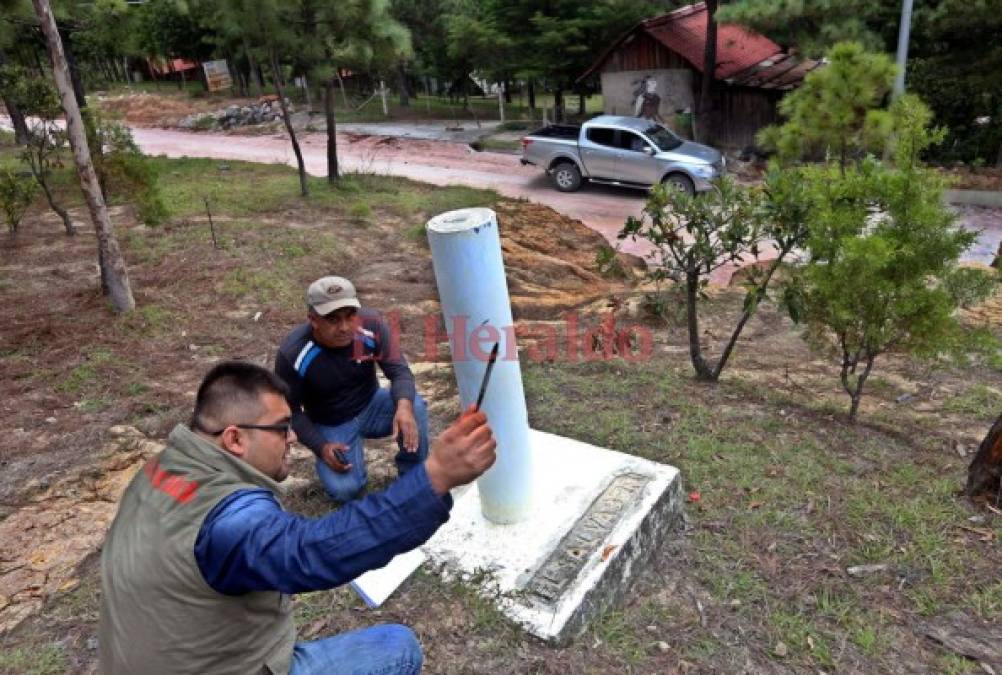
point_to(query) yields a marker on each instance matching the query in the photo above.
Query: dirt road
(602, 208)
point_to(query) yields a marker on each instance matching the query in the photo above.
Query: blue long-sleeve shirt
(249, 543)
(331, 385)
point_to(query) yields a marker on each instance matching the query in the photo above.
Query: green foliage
(812, 25)
(609, 264)
(126, 172)
(882, 273)
(954, 64)
(17, 192)
(836, 110)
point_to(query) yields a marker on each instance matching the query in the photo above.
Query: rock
(92, 643)
(663, 647)
(781, 650)
(51, 420)
(863, 570)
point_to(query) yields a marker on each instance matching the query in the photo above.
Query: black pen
(487, 375)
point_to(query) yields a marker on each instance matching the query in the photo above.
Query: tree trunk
(304, 186)
(306, 93)
(74, 71)
(709, 70)
(998, 160)
(507, 91)
(17, 120)
(532, 95)
(340, 82)
(16, 116)
(110, 256)
(581, 105)
(558, 105)
(405, 92)
(53, 204)
(332, 168)
(855, 392)
(257, 86)
(382, 96)
(703, 372)
(984, 475)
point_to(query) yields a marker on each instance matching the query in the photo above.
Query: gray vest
(158, 615)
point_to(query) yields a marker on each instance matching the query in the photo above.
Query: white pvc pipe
(466, 253)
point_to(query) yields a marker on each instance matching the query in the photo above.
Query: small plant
(695, 235)
(17, 192)
(609, 264)
(882, 274)
(46, 141)
(124, 171)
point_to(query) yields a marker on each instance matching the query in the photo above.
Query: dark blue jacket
(249, 543)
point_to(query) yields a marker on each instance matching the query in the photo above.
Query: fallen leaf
(755, 505)
(607, 551)
(780, 650)
(810, 642)
(984, 534)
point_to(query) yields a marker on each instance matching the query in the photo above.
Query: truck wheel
(680, 181)
(566, 177)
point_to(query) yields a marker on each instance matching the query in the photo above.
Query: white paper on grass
(376, 585)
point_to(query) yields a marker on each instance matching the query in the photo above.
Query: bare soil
(756, 582)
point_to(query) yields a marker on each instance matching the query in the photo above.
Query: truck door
(636, 165)
(599, 152)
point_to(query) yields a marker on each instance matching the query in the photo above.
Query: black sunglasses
(282, 428)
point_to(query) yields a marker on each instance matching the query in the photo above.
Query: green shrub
(17, 192)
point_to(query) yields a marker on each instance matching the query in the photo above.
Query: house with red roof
(656, 70)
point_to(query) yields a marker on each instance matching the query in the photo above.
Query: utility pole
(903, 30)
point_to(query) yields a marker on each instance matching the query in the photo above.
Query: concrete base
(598, 517)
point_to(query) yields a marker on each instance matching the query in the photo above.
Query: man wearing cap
(329, 365)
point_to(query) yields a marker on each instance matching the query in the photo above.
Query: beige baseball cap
(328, 294)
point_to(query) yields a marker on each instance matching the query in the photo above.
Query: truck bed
(569, 132)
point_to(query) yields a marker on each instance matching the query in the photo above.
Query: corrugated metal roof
(684, 32)
(744, 57)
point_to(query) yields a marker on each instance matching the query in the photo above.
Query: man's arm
(308, 434)
(248, 543)
(394, 365)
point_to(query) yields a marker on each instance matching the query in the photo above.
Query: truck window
(663, 138)
(631, 141)
(602, 136)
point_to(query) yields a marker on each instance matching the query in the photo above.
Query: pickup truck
(627, 151)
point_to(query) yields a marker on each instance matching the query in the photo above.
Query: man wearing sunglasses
(329, 364)
(199, 563)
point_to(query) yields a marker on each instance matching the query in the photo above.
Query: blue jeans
(381, 650)
(375, 421)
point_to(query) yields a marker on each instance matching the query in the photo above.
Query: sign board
(217, 75)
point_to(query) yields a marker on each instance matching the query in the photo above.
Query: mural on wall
(647, 101)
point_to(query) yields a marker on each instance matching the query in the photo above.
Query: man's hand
(462, 452)
(331, 458)
(405, 425)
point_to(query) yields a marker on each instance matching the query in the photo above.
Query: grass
(785, 484)
(789, 496)
(978, 400)
(43, 659)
